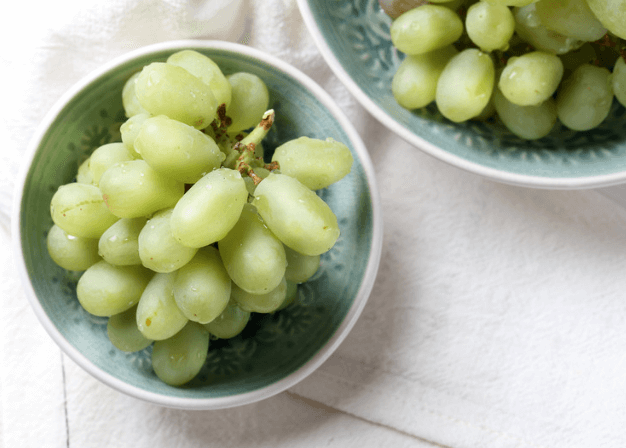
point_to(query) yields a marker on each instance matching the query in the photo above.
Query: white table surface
(498, 318)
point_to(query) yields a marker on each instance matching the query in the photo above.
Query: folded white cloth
(497, 318)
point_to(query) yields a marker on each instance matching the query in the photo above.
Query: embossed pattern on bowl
(353, 37)
(276, 350)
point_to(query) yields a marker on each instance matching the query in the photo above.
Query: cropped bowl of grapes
(198, 224)
(525, 92)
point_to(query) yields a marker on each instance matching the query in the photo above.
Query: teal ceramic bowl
(353, 36)
(275, 351)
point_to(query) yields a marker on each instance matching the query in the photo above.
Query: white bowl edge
(521, 180)
(333, 343)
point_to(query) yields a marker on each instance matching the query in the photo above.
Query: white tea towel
(65, 41)
(497, 319)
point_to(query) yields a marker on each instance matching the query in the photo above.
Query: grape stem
(242, 156)
(261, 129)
(220, 124)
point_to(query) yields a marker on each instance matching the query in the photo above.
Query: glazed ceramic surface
(353, 36)
(275, 351)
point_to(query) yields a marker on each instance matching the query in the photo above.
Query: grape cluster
(531, 63)
(183, 229)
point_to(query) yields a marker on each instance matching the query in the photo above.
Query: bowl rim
(522, 180)
(346, 325)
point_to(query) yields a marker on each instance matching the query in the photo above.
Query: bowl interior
(354, 37)
(273, 346)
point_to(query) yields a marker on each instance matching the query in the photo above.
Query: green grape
(489, 25)
(528, 122)
(230, 322)
(395, 8)
(211, 207)
(80, 210)
(158, 316)
(488, 111)
(178, 360)
(585, 97)
(207, 70)
(166, 89)
(158, 249)
(133, 189)
(619, 81)
(105, 157)
(250, 100)
(84, 176)
(73, 253)
(260, 303)
(529, 28)
(123, 332)
(296, 215)
(254, 258)
(315, 163)
(202, 286)
(129, 97)
(465, 85)
(425, 29)
(291, 294)
(105, 290)
(454, 5)
(415, 82)
(532, 78)
(571, 18)
(300, 267)
(130, 129)
(177, 150)
(119, 244)
(612, 15)
(250, 185)
(518, 3)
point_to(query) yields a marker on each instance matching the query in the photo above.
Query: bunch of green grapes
(531, 63)
(182, 229)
